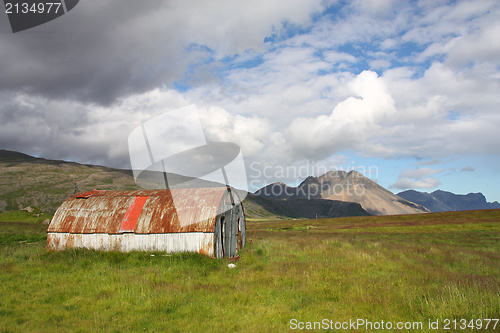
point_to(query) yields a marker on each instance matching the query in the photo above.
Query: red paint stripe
(132, 215)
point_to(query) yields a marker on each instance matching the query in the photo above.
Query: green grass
(24, 216)
(14, 233)
(399, 268)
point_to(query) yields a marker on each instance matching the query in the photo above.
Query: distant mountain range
(31, 181)
(442, 201)
(348, 187)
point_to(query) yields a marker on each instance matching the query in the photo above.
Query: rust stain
(100, 211)
(107, 214)
(208, 248)
(234, 259)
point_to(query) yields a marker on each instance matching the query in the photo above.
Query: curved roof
(142, 212)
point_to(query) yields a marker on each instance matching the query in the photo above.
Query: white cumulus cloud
(417, 178)
(352, 121)
(407, 183)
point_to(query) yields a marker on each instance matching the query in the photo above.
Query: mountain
(442, 201)
(37, 182)
(30, 181)
(424, 199)
(259, 207)
(348, 187)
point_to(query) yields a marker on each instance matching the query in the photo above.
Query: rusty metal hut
(210, 221)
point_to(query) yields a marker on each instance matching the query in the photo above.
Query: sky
(406, 92)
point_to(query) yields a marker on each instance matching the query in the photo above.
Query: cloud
(380, 64)
(467, 169)
(335, 57)
(287, 90)
(352, 121)
(98, 134)
(71, 130)
(286, 86)
(417, 178)
(100, 52)
(435, 161)
(249, 133)
(419, 173)
(407, 183)
(476, 46)
(438, 22)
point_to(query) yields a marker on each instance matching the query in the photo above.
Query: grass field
(414, 268)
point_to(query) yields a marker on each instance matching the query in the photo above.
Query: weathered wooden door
(229, 233)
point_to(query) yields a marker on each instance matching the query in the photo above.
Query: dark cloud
(75, 87)
(95, 53)
(104, 50)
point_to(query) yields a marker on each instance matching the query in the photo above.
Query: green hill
(37, 182)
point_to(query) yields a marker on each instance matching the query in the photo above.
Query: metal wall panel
(200, 242)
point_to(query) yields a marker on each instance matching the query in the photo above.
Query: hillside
(442, 201)
(37, 182)
(348, 187)
(30, 181)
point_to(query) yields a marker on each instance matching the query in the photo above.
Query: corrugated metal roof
(162, 211)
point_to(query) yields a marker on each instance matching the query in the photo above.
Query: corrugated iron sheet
(104, 211)
(172, 242)
(205, 220)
